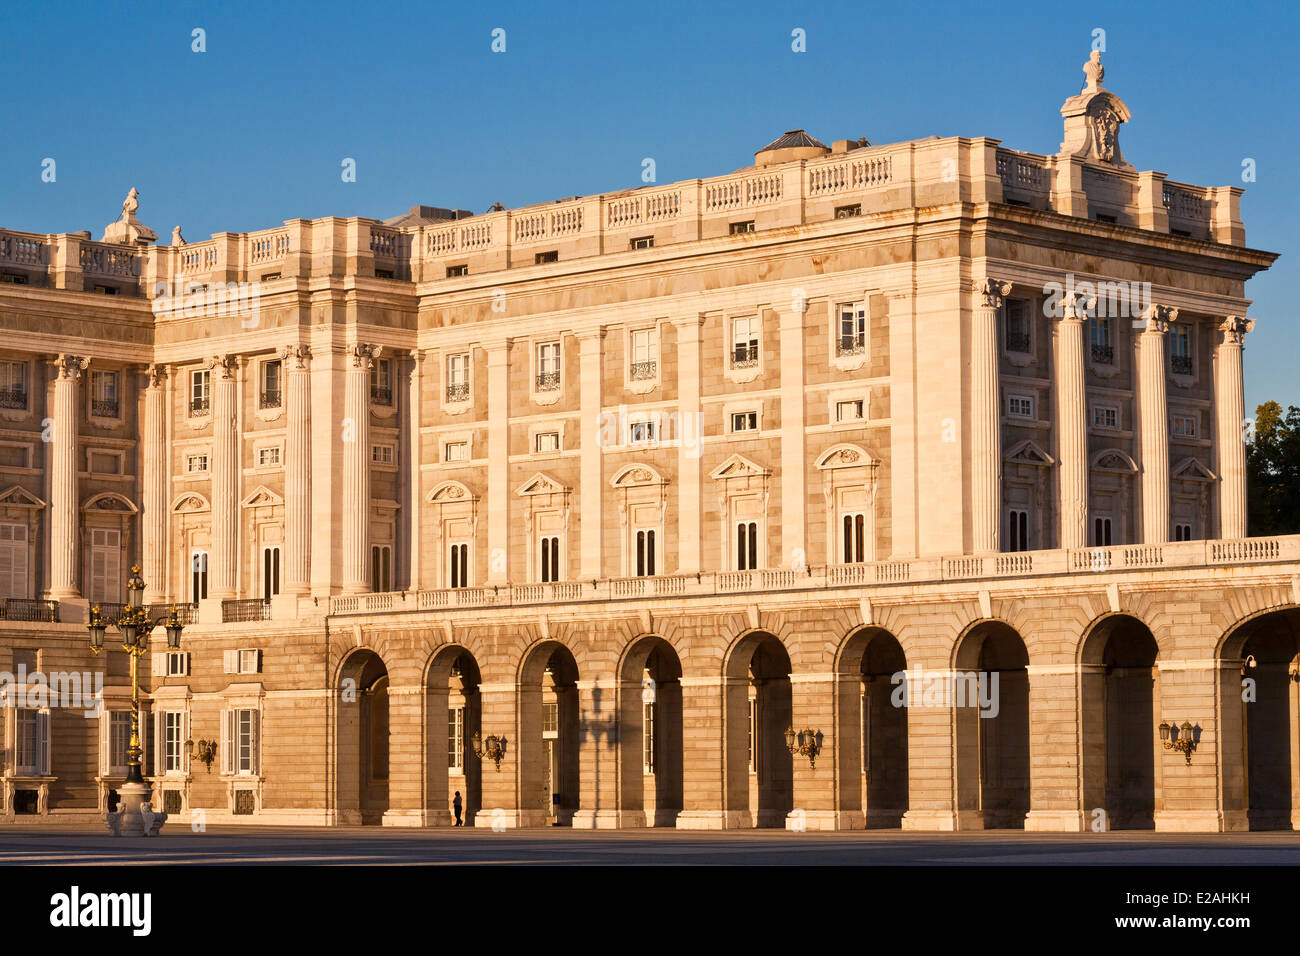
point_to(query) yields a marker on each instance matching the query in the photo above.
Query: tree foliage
(1273, 471)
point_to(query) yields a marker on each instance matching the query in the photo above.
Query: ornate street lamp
(135, 625)
(1181, 739)
(805, 743)
(494, 748)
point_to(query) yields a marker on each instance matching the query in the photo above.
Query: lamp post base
(135, 815)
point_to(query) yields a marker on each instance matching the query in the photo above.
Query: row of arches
(1119, 707)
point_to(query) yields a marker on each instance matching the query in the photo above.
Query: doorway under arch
(549, 724)
(760, 769)
(453, 715)
(873, 728)
(650, 738)
(362, 739)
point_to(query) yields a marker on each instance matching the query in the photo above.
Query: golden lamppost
(135, 626)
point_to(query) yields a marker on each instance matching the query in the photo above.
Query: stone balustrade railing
(905, 571)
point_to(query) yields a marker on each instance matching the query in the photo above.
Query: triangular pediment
(845, 456)
(1028, 452)
(1189, 469)
(262, 497)
(18, 497)
(541, 484)
(633, 475)
(738, 466)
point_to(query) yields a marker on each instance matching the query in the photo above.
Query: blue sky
(253, 131)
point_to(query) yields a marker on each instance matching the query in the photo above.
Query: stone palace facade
(930, 452)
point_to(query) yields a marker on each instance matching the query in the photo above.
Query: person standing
(456, 805)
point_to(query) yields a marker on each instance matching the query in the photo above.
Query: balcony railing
(903, 571)
(104, 407)
(269, 398)
(21, 609)
(849, 345)
(1103, 354)
(255, 609)
(744, 356)
(200, 406)
(13, 398)
(548, 381)
(381, 394)
(458, 392)
(186, 612)
(1181, 364)
(644, 371)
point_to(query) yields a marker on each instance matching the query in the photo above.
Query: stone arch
(988, 691)
(758, 708)
(361, 737)
(453, 715)
(547, 734)
(872, 727)
(650, 737)
(1119, 701)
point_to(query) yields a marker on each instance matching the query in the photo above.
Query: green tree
(1273, 471)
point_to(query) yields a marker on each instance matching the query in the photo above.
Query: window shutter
(43, 743)
(160, 749)
(185, 735)
(227, 741)
(255, 761)
(105, 741)
(231, 661)
(259, 661)
(158, 665)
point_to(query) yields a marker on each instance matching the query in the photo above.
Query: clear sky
(254, 130)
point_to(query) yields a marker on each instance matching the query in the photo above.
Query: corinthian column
(153, 517)
(63, 478)
(986, 435)
(1154, 415)
(1072, 422)
(356, 467)
(297, 471)
(1229, 404)
(223, 564)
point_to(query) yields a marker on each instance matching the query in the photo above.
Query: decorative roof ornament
(129, 231)
(177, 238)
(1093, 118)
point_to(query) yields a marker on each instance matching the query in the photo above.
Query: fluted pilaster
(1229, 403)
(356, 468)
(986, 432)
(1153, 410)
(223, 562)
(498, 440)
(63, 478)
(153, 512)
(1072, 422)
(297, 470)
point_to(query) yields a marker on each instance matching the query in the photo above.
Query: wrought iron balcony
(458, 392)
(1103, 354)
(104, 407)
(381, 394)
(269, 398)
(644, 371)
(1018, 342)
(851, 345)
(186, 612)
(13, 398)
(745, 356)
(1181, 364)
(255, 609)
(548, 381)
(20, 609)
(200, 406)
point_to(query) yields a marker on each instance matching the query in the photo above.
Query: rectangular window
(246, 742)
(746, 545)
(549, 548)
(249, 661)
(31, 742)
(1185, 426)
(1101, 532)
(13, 560)
(640, 433)
(458, 377)
(546, 442)
(458, 565)
(1020, 406)
(381, 454)
(550, 717)
(853, 529)
(105, 566)
(853, 329)
(13, 384)
(751, 736)
(103, 394)
(270, 573)
(1180, 349)
(381, 382)
(119, 741)
(1101, 332)
(1182, 531)
(198, 575)
(849, 411)
(455, 272)
(1016, 325)
(645, 553)
(744, 421)
(543, 258)
(196, 464)
(1017, 530)
(178, 663)
(643, 242)
(456, 451)
(740, 228)
(173, 741)
(848, 212)
(744, 341)
(1105, 416)
(268, 456)
(648, 737)
(548, 366)
(200, 391)
(270, 395)
(456, 739)
(381, 567)
(644, 365)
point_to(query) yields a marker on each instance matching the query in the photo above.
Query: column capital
(299, 355)
(363, 356)
(70, 366)
(227, 365)
(992, 291)
(157, 373)
(1156, 319)
(1235, 327)
(1076, 305)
